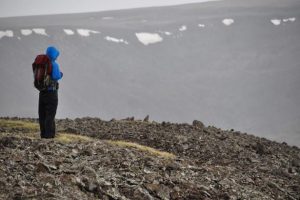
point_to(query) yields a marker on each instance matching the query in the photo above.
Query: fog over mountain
(231, 64)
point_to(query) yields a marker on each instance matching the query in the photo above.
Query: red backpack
(42, 69)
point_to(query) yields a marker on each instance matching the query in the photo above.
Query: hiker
(47, 84)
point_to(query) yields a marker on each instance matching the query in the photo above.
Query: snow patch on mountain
(276, 22)
(183, 28)
(292, 19)
(116, 40)
(149, 38)
(86, 32)
(40, 31)
(228, 22)
(69, 31)
(7, 33)
(26, 32)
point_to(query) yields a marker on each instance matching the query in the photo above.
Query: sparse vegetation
(67, 138)
(150, 150)
(19, 124)
(30, 129)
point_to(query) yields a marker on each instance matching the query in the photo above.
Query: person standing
(48, 97)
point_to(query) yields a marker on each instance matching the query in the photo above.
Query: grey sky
(40, 7)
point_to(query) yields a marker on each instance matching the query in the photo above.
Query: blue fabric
(53, 53)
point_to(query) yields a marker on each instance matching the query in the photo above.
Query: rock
(7, 142)
(49, 185)
(260, 149)
(89, 172)
(91, 187)
(172, 166)
(129, 119)
(80, 183)
(71, 130)
(161, 191)
(205, 167)
(296, 163)
(224, 196)
(273, 185)
(74, 153)
(53, 167)
(198, 124)
(291, 170)
(142, 194)
(295, 188)
(42, 168)
(203, 187)
(152, 187)
(146, 119)
(86, 152)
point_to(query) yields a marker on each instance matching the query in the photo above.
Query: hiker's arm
(56, 74)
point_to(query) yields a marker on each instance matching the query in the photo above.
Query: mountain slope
(233, 64)
(206, 162)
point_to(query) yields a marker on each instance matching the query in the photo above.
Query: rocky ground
(203, 162)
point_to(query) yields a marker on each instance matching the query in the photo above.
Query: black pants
(48, 101)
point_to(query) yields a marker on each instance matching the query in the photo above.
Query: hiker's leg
(42, 114)
(52, 102)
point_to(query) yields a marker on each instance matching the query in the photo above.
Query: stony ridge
(210, 163)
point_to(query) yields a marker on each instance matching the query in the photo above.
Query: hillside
(134, 159)
(231, 63)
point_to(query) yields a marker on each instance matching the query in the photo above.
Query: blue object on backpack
(53, 53)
